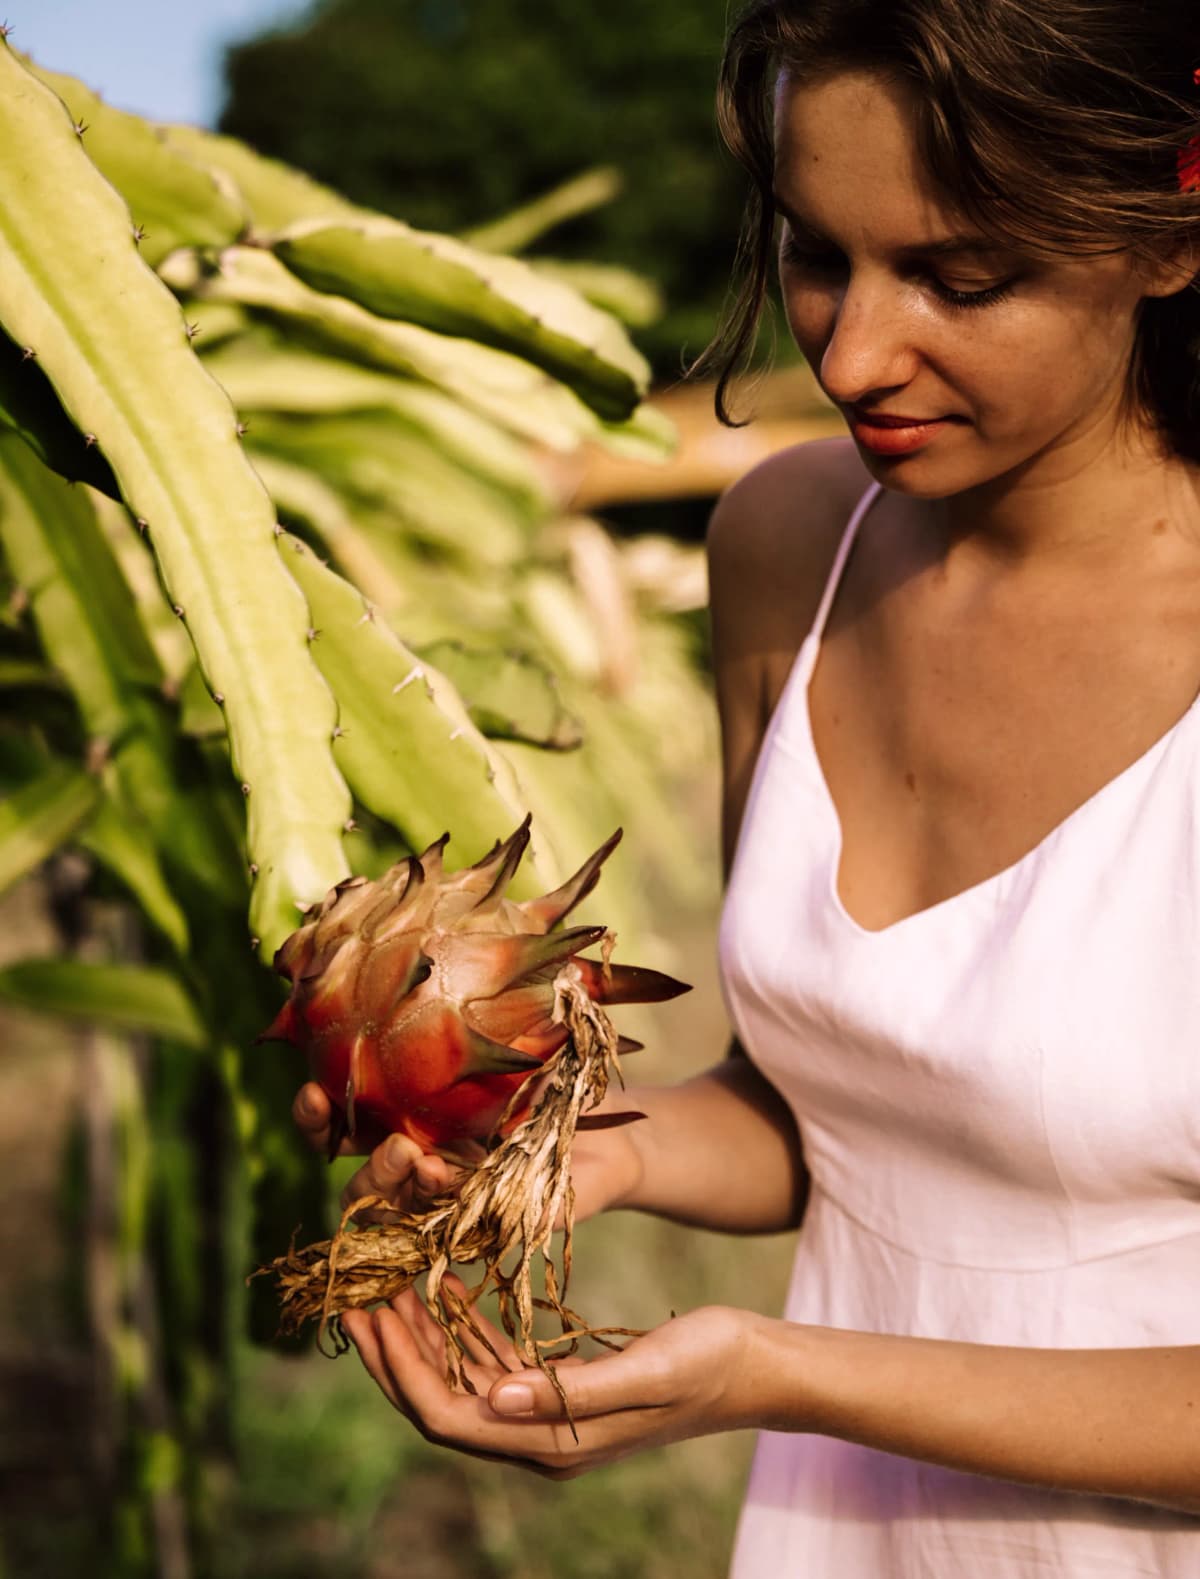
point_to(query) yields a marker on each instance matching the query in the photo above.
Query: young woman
(961, 940)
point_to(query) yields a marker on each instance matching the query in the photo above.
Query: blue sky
(159, 57)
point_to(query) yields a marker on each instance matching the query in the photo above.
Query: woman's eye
(972, 296)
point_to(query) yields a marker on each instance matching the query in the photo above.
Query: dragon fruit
(424, 1000)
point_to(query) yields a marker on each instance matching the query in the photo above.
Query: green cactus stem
(437, 281)
(111, 339)
(407, 745)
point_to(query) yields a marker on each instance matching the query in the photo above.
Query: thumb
(617, 1381)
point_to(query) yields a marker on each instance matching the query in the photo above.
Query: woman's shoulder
(771, 544)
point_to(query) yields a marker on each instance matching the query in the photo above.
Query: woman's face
(905, 311)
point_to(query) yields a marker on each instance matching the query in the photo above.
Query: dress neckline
(805, 667)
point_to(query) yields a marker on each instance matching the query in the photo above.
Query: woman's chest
(951, 748)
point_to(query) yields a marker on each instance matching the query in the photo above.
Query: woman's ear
(1172, 270)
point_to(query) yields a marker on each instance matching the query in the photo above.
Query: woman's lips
(895, 435)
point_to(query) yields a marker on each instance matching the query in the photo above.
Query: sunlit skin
(1018, 623)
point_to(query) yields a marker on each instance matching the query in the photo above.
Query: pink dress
(999, 1099)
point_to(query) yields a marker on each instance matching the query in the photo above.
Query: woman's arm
(720, 1151)
(1114, 1422)
(1119, 1422)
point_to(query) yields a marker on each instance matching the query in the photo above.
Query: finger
(360, 1329)
(608, 1385)
(311, 1113)
(386, 1171)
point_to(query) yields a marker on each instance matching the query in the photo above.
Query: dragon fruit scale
(424, 999)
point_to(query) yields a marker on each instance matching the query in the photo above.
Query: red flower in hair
(1189, 167)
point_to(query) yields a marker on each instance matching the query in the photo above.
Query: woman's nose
(871, 346)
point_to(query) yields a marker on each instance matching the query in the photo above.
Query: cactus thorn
(454, 733)
(241, 429)
(278, 529)
(191, 330)
(139, 234)
(143, 525)
(80, 128)
(5, 30)
(253, 868)
(349, 826)
(338, 732)
(415, 673)
(311, 633)
(491, 774)
(254, 945)
(89, 439)
(245, 789)
(177, 610)
(219, 698)
(29, 354)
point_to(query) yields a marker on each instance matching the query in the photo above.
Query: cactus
(424, 278)
(29, 406)
(407, 745)
(110, 352)
(173, 201)
(262, 375)
(378, 460)
(275, 194)
(517, 396)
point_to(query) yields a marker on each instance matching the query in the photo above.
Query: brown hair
(1054, 125)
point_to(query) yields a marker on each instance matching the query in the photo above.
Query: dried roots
(503, 1213)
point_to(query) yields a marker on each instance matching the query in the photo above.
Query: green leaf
(120, 997)
(114, 836)
(41, 816)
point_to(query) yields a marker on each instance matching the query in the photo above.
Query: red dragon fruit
(424, 999)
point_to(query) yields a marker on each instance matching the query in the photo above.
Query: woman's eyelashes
(827, 263)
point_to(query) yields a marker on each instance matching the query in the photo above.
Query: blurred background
(181, 1440)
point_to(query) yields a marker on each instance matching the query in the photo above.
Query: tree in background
(446, 111)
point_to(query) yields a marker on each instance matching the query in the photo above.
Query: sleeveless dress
(999, 1100)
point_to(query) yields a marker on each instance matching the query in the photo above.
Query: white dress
(999, 1100)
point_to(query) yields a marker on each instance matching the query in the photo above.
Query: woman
(961, 941)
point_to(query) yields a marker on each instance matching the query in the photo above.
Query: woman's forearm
(719, 1151)
(1118, 1422)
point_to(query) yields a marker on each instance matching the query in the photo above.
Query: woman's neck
(1100, 496)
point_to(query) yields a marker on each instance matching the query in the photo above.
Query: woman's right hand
(606, 1164)
(397, 1169)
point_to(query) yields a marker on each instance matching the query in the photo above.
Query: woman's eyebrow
(966, 244)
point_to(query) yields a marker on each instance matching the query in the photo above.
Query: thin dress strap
(843, 554)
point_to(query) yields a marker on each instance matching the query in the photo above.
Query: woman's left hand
(686, 1378)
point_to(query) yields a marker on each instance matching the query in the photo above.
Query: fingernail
(514, 1400)
(310, 1106)
(397, 1153)
(426, 1179)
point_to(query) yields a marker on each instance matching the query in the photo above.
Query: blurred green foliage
(448, 112)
